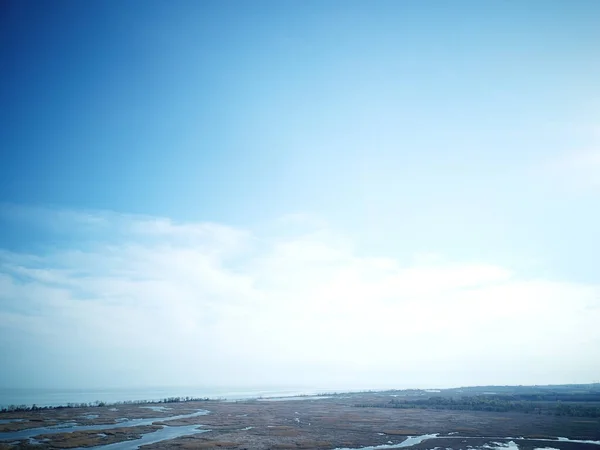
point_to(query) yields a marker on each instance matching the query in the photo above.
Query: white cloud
(578, 169)
(161, 303)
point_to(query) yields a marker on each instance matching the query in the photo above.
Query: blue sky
(398, 147)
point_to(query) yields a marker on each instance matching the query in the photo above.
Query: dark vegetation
(98, 403)
(562, 400)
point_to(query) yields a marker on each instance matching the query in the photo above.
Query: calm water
(57, 397)
(66, 427)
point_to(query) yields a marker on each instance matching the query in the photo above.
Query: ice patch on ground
(409, 442)
(512, 445)
(157, 408)
(521, 438)
(579, 441)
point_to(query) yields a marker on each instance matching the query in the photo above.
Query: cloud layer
(133, 300)
(577, 169)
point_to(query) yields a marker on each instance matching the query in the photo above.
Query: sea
(61, 397)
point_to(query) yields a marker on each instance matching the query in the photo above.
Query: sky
(351, 194)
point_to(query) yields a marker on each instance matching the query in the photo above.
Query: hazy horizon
(52, 397)
(320, 193)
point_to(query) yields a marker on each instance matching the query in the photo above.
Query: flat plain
(326, 422)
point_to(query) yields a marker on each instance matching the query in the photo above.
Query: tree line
(582, 408)
(98, 403)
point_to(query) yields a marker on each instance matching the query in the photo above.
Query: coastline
(334, 421)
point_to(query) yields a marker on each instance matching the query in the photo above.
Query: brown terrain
(319, 423)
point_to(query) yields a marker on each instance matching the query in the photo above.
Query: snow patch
(409, 442)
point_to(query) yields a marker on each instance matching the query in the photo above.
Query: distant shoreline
(260, 395)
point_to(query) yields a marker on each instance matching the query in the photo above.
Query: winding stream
(70, 427)
(409, 442)
(164, 434)
(511, 445)
(168, 432)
